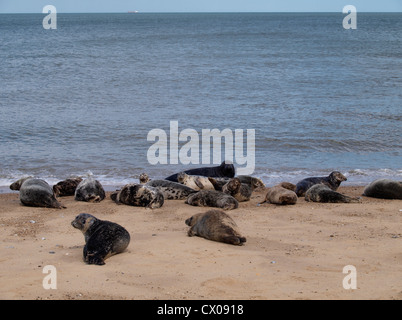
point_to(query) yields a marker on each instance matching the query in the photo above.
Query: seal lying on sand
(254, 183)
(102, 238)
(322, 193)
(171, 190)
(280, 195)
(384, 189)
(67, 187)
(215, 225)
(195, 182)
(36, 193)
(90, 190)
(139, 195)
(333, 181)
(240, 191)
(224, 170)
(212, 198)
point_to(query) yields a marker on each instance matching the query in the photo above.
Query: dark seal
(139, 195)
(322, 193)
(90, 190)
(240, 191)
(215, 225)
(333, 181)
(384, 189)
(212, 198)
(66, 187)
(102, 238)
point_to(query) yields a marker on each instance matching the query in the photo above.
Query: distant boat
(136, 11)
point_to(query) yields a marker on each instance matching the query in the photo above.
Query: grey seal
(144, 178)
(333, 181)
(226, 169)
(280, 195)
(139, 195)
(171, 190)
(195, 182)
(102, 238)
(66, 187)
(36, 193)
(90, 190)
(240, 191)
(215, 225)
(384, 189)
(323, 193)
(212, 198)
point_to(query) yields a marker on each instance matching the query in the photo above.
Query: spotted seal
(215, 225)
(240, 191)
(139, 195)
(102, 238)
(36, 193)
(195, 182)
(323, 193)
(384, 189)
(90, 190)
(212, 198)
(333, 181)
(280, 195)
(171, 190)
(66, 187)
(226, 169)
(144, 178)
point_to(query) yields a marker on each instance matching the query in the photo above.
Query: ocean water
(82, 99)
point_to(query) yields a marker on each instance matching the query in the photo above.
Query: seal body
(102, 238)
(195, 182)
(89, 190)
(384, 189)
(224, 170)
(215, 225)
(333, 181)
(36, 193)
(171, 190)
(66, 187)
(212, 198)
(255, 183)
(281, 196)
(139, 195)
(240, 191)
(322, 193)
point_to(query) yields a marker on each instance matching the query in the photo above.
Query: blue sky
(35, 6)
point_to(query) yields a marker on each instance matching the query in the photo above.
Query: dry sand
(292, 252)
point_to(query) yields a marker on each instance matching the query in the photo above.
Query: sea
(82, 99)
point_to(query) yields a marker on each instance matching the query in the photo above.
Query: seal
(333, 181)
(255, 183)
(323, 193)
(240, 191)
(102, 238)
(288, 185)
(139, 195)
(90, 190)
(36, 193)
(384, 189)
(171, 190)
(215, 225)
(226, 169)
(212, 198)
(144, 178)
(66, 187)
(195, 182)
(218, 183)
(280, 195)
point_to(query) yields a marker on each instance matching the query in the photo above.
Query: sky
(66, 6)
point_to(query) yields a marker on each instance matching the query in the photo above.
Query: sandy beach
(292, 252)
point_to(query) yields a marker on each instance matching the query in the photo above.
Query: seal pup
(195, 182)
(102, 238)
(240, 191)
(139, 195)
(36, 193)
(323, 193)
(171, 190)
(333, 181)
(280, 195)
(90, 190)
(144, 178)
(212, 198)
(66, 187)
(384, 189)
(215, 225)
(226, 169)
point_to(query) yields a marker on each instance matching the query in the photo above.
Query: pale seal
(89, 190)
(212, 198)
(226, 169)
(36, 193)
(280, 195)
(102, 238)
(240, 191)
(195, 182)
(323, 193)
(384, 189)
(215, 225)
(333, 181)
(171, 190)
(66, 187)
(139, 195)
